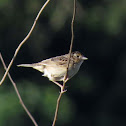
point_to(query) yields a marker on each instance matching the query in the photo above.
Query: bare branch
(65, 80)
(71, 45)
(25, 39)
(18, 94)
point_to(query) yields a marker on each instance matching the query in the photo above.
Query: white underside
(57, 73)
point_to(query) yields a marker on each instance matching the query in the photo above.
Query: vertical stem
(64, 82)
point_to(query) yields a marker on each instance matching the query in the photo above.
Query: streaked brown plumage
(55, 68)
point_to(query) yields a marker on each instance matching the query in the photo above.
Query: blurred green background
(96, 96)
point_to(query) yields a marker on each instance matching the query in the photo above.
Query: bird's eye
(78, 56)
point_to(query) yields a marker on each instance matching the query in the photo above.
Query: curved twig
(18, 94)
(65, 80)
(20, 45)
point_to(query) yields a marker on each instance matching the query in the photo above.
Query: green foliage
(42, 99)
(96, 95)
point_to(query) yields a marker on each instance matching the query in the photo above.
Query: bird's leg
(57, 84)
(61, 86)
(65, 80)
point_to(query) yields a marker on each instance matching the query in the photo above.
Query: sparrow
(55, 68)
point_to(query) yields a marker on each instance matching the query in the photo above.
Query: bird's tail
(25, 65)
(36, 66)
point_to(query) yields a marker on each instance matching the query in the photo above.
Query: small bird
(55, 68)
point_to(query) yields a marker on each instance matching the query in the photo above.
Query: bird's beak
(84, 58)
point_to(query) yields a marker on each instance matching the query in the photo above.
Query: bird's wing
(55, 61)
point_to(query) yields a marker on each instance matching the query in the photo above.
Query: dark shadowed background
(96, 96)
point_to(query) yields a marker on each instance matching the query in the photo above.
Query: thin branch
(18, 94)
(25, 39)
(65, 80)
(72, 39)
